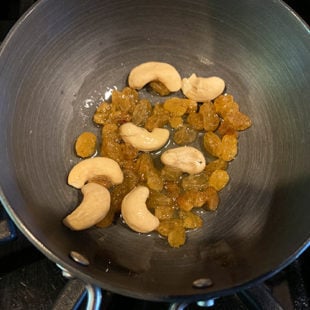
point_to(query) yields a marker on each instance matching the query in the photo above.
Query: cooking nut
(155, 71)
(142, 139)
(93, 208)
(93, 167)
(186, 158)
(202, 89)
(135, 212)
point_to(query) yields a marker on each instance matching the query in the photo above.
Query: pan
(63, 57)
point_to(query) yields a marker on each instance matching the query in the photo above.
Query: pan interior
(63, 58)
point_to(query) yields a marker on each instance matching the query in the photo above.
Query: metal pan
(56, 65)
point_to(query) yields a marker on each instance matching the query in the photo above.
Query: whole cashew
(135, 212)
(155, 71)
(202, 89)
(93, 208)
(142, 139)
(186, 158)
(92, 167)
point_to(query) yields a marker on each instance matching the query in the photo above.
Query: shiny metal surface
(51, 81)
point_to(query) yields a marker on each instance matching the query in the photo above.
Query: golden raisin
(212, 144)
(141, 112)
(225, 104)
(125, 100)
(158, 199)
(190, 199)
(170, 173)
(164, 212)
(215, 165)
(218, 179)
(166, 226)
(238, 120)
(176, 121)
(229, 147)
(177, 237)
(212, 199)
(159, 88)
(85, 145)
(159, 118)
(173, 189)
(190, 220)
(210, 119)
(184, 135)
(102, 113)
(176, 106)
(195, 120)
(195, 181)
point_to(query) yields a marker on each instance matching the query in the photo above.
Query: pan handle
(73, 295)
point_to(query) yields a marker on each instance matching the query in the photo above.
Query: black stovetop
(28, 280)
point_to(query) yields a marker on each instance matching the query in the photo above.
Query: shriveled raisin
(159, 88)
(177, 237)
(225, 104)
(110, 146)
(195, 181)
(159, 118)
(184, 135)
(125, 100)
(141, 112)
(210, 118)
(102, 113)
(166, 226)
(190, 220)
(164, 212)
(218, 179)
(212, 199)
(215, 165)
(154, 181)
(226, 128)
(238, 120)
(176, 106)
(172, 189)
(195, 120)
(229, 147)
(157, 199)
(175, 121)
(212, 144)
(85, 145)
(170, 173)
(190, 199)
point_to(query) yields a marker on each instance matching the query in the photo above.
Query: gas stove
(28, 280)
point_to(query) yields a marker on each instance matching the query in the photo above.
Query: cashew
(92, 167)
(93, 208)
(186, 158)
(142, 139)
(135, 212)
(155, 71)
(202, 89)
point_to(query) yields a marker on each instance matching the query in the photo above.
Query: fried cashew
(202, 89)
(142, 139)
(93, 208)
(135, 212)
(92, 167)
(186, 158)
(155, 71)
